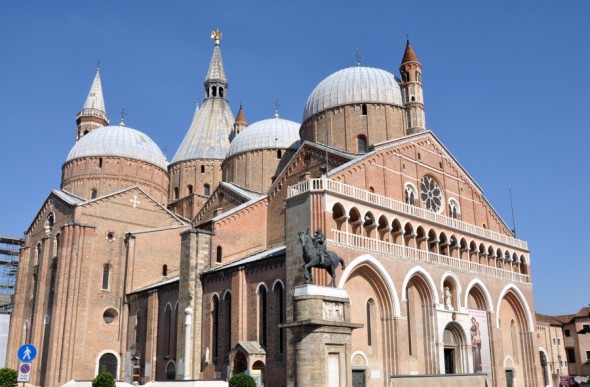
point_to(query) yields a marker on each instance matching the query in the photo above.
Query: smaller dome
(351, 86)
(118, 141)
(274, 133)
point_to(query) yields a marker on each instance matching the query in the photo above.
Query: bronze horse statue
(312, 259)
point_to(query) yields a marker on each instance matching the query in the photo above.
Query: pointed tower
(411, 73)
(195, 170)
(93, 114)
(240, 123)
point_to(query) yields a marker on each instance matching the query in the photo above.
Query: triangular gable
(226, 197)
(422, 139)
(55, 199)
(310, 152)
(136, 201)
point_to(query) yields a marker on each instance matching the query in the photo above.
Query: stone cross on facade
(134, 201)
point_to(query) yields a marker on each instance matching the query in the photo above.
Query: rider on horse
(319, 242)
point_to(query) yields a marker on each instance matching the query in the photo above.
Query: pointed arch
(417, 270)
(476, 282)
(511, 288)
(381, 271)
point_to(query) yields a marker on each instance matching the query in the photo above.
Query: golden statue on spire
(216, 34)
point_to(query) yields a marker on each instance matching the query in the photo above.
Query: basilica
(191, 269)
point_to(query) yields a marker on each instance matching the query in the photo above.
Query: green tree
(242, 380)
(104, 379)
(8, 377)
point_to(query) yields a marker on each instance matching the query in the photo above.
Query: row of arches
(417, 303)
(426, 239)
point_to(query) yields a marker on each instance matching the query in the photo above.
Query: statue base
(322, 332)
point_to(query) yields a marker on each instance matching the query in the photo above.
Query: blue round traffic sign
(27, 353)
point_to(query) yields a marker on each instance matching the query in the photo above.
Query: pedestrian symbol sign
(26, 353)
(24, 372)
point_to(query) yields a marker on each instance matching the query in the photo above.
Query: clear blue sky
(506, 88)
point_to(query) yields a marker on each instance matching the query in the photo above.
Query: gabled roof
(413, 138)
(248, 195)
(266, 254)
(63, 196)
(251, 347)
(238, 208)
(163, 282)
(122, 190)
(569, 318)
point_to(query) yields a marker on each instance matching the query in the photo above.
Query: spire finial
(216, 35)
(277, 106)
(98, 66)
(358, 56)
(407, 38)
(123, 114)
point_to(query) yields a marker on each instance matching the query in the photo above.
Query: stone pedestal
(321, 331)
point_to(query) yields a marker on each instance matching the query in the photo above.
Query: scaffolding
(9, 250)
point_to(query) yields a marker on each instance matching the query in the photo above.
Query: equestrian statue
(316, 255)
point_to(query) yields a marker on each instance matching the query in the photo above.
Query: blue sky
(505, 85)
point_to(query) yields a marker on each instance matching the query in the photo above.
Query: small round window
(110, 315)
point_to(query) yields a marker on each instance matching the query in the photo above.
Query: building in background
(8, 267)
(193, 269)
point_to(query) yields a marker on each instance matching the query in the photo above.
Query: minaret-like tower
(411, 73)
(240, 123)
(93, 114)
(195, 170)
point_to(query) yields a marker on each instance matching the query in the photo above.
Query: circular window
(431, 193)
(110, 236)
(110, 315)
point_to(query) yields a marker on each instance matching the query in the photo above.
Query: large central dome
(354, 85)
(119, 141)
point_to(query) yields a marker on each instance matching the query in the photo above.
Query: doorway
(358, 378)
(450, 361)
(509, 378)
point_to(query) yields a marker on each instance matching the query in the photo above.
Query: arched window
(52, 279)
(206, 190)
(364, 109)
(219, 254)
(369, 333)
(453, 209)
(100, 162)
(189, 189)
(93, 193)
(168, 327)
(164, 270)
(228, 308)
(214, 91)
(410, 195)
(202, 169)
(106, 273)
(514, 337)
(108, 363)
(279, 154)
(38, 254)
(215, 321)
(176, 193)
(56, 245)
(262, 316)
(362, 144)
(171, 371)
(280, 306)
(221, 92)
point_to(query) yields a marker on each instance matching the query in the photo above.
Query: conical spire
(241, 117)
(409, 55)
(211, 129)
(95, 100)
(216, 72)
(93, 114)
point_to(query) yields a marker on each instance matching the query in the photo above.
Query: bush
(104, 380)
(242, 380)
(8, 377)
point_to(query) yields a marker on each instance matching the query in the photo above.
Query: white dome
(354, 85)
(118, 141)
(274, 133)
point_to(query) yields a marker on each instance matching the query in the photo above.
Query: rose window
(431, 193)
